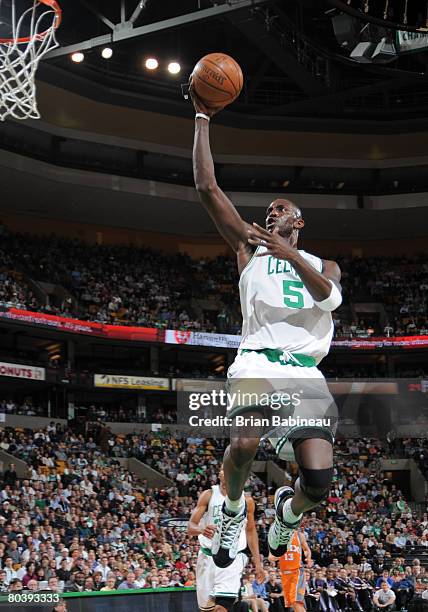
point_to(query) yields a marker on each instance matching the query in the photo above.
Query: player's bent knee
(315, 484)
(224, 603)
(243, 449)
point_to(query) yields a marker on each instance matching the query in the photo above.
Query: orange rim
(53, 4)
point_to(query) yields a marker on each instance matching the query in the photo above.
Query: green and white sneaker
(280, 532)
(226, 539)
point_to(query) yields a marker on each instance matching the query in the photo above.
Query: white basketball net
(19, 59)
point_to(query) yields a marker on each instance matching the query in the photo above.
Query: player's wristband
(202, 116)
(333, 301)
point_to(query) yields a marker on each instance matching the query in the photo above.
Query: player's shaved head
(289, 204)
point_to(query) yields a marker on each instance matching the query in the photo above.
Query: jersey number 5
(292, 297)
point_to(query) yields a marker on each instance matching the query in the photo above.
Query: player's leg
(237, 463)
(205, 576)
(289, 587)
(314, 457)
(227, 584)
(225, 605)
(315, 460)
(298, 603)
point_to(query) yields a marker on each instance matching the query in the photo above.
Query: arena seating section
(137, 286)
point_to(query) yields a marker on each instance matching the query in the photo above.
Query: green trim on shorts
(277, 356)
(206, 551)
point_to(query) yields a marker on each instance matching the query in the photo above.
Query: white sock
(288, 514)
(235, 506)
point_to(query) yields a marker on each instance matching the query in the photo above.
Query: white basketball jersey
(279, 312)
(213, 516)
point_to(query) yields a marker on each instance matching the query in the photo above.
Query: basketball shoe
(281, 532)
(226, 539)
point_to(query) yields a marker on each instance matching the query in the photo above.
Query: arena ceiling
(295, 56)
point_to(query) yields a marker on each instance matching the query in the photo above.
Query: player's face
(283, 215)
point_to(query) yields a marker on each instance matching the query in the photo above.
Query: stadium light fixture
(151, 63)
(107, 53)
(78, 57)
(174, 67)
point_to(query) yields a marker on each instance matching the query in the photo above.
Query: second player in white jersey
(217, 588)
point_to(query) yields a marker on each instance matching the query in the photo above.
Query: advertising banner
(118, 381)
(202, 339)
(190, 338)
(75, 326)
(230, 341)
(18, 370)
(408, 42)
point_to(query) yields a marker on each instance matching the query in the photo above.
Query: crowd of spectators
(140, 286)
(81, 521)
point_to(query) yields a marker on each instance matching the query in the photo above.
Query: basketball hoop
(31, 34)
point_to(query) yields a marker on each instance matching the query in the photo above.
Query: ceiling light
(151, 63)
(107, 53)
(78, 57)
(174, 67)
(340, 185)
(286, 183)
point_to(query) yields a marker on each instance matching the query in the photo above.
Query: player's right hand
(199, 106)
(209, 531)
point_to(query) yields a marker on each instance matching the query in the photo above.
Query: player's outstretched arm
(193, 528)
(224, 214)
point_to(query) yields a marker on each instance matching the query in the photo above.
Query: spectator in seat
(403, 589)
(346, 596)
(4, 584)
(76, 584)
(30, 573)
(10, 476)
(110, 584)
(33, 585)
(129, 583)
(275, 593)
(384, 598)
(384, 578)
(255, 604)
(15, 585)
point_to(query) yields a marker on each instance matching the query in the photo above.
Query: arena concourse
(146, 149)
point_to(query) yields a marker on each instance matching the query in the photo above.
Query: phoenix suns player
(217, 588)
(293, 573)
(287, 297)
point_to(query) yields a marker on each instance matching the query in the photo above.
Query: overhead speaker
(345, 30)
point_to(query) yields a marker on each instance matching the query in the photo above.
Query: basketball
(217, 79)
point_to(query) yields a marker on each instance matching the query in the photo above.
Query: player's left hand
(260, 573)
(275, 244)
(309, 561)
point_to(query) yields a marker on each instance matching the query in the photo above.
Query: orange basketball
(217, 79)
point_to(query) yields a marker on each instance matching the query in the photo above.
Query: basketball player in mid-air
(217, 589)
(287, 297)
